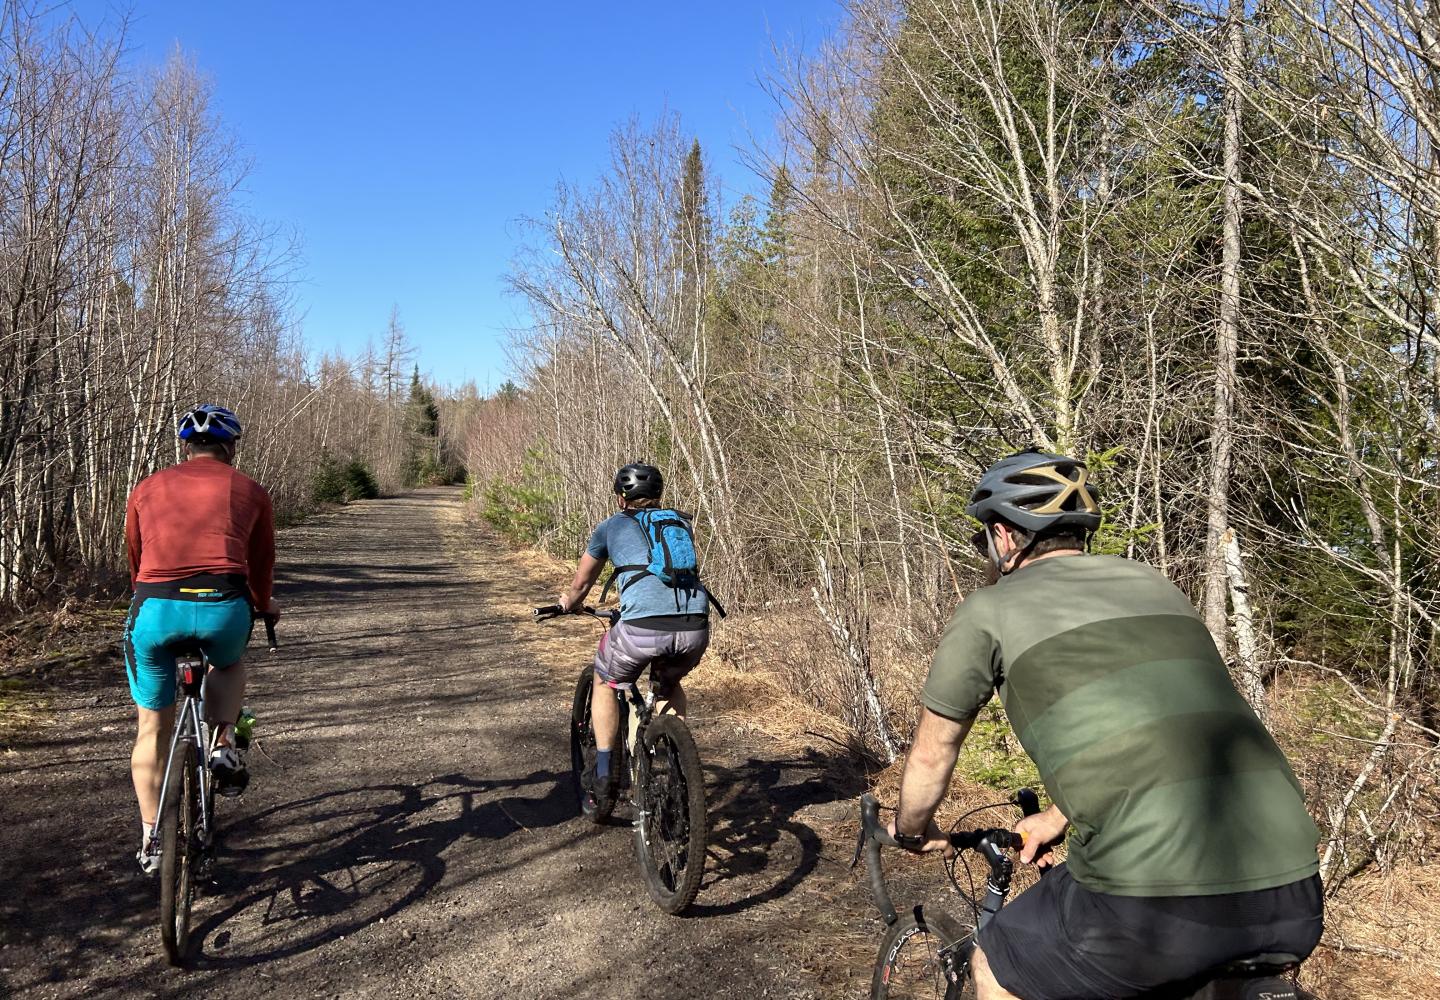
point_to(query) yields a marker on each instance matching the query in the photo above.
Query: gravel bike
(658, 764)
(927, 953)
(184, 831)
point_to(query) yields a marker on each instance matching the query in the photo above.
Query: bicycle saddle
(189, 662)
(1257, 977)
(1265, 964)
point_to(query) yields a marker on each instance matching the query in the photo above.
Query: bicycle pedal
(232, 785)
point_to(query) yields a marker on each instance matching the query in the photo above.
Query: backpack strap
(634, 516)
(644, 571)
(614, 573)
(714, 601)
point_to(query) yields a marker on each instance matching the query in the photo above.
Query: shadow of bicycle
(760, 849)
(365, 855)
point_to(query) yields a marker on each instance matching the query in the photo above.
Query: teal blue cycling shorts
(218, 621)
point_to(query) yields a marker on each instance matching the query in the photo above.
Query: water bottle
(244, 727)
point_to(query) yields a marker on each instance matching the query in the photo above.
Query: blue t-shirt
(620, 539)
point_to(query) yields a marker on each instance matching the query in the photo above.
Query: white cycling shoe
(228, 767)
(149, 862)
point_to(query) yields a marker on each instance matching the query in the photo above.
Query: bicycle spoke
(916, 969)
(667, 827)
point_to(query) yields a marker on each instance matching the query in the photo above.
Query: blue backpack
(672, 554)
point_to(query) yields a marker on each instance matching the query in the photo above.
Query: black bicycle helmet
(638, 480)
(1036, 491)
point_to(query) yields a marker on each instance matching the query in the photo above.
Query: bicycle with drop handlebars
(927, 953)
(184, 831)
(658, 763)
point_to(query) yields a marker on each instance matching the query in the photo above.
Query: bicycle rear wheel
(910, 964)
(582, 750)
(671, 826)
(179, 851)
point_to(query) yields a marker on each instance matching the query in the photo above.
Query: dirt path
(409, 830)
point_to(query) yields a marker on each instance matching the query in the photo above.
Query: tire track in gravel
(409, 830)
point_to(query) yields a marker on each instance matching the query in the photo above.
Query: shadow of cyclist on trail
(759, 845)
(357, 857)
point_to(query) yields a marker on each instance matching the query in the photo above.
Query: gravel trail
(409, 830)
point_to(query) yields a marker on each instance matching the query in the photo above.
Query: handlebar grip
(548, 611)
(874, 835)
(1007, 840)
(1029, 804)
(270, 632)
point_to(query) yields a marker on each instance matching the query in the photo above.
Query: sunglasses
(981, 541)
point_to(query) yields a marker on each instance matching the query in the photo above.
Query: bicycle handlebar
(989, 842)
(872, 835)
(549, 611)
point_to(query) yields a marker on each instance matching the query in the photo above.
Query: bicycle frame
(638, 711)
(190, 725)
(638, 708)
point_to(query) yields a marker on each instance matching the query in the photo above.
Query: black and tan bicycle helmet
(1036, 491)
(638, 480)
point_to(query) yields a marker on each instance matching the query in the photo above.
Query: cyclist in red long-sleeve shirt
(201, 539)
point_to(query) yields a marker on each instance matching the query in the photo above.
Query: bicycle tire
(671, 826)
(908, 965)
(179, 843)
(582, 750)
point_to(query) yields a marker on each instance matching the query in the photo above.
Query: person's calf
(986, 987)
(672, 702)
(604, 715)
(147, 758)
(224, 697)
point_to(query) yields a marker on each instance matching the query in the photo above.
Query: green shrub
(529, 512)
(524, 514)
(328, 483)
(337, 482)
(994, 757)
(360, 481)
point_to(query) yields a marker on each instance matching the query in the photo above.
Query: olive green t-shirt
(1114, 687)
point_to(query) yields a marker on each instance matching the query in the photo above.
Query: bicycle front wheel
(179, 850)
(918, 958)
(671, 827)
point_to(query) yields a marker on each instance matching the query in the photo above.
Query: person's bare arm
(585, 577)
(927, 776)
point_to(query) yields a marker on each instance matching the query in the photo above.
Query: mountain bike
(658, 763)
(927, 954)
(184, 831)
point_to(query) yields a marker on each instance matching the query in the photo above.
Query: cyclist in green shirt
(1189, 845)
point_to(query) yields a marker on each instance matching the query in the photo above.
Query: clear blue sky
(401, 142)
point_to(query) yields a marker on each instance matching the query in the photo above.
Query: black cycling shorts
(1060, 941)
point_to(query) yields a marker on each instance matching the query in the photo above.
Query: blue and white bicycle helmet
(209, 423)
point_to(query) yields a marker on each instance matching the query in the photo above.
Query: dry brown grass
(1381, 937)
(54, 648)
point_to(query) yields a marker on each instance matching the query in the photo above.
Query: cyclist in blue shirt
(663, 627)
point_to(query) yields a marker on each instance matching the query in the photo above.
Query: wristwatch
(910, 841)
